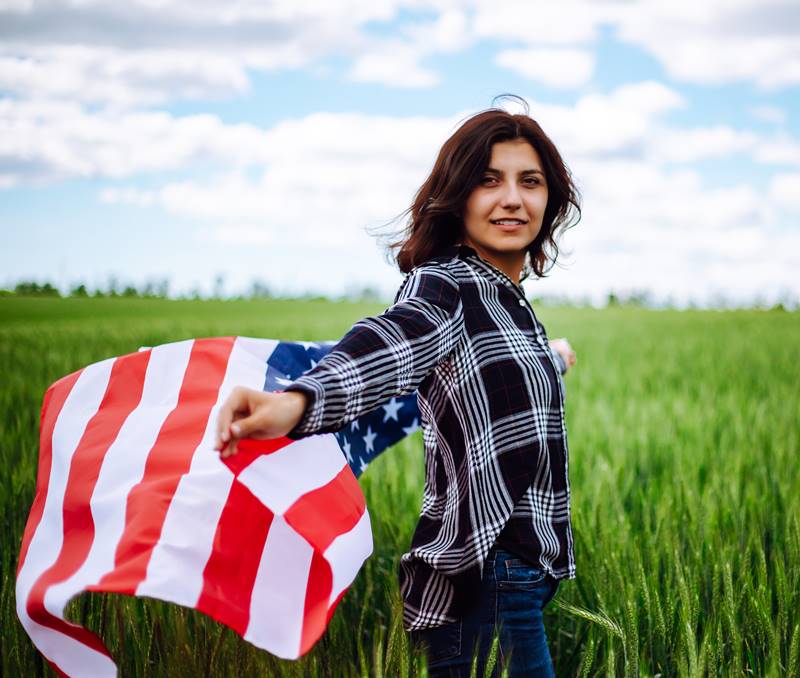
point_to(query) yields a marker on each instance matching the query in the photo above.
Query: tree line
(160, 289)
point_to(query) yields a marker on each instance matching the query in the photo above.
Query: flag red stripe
(328, 511)
(53, 401)
(231, 570)
(122, 395)
(168, 460)
(315, 614)
(248, 450)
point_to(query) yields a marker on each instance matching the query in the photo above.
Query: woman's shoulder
(447, 263)
(434, 278)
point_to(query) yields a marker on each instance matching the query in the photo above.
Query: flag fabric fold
(132, 498)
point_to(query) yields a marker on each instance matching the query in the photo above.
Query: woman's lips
(508, 227)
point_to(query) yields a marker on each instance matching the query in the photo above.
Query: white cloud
(539, 23)
(140, 53)
(561, 68)
(121, 77)
(718, 41)
(45, 141)
(645, 228)
(770, 114)
(614, 124)
(143, 53)
(780, 149)
(689, 145)
(785, 191)
(127, 196)
(710, 42)
(449, 32)
(329, 176)
(395, 64)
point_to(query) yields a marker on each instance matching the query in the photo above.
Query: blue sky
(259, 140)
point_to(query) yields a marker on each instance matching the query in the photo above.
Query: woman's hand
(565, 351)
(248, 413)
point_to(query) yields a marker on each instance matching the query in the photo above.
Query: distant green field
(685, 471)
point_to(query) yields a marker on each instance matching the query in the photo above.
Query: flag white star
(391, 408)
(347, 454)
(408, 430)
(354, 426)
(369, 439)
(308, 344)
(283, 381)
(313, 364)
(362, 466)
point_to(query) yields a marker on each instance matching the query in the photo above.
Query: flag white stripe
(123, 467)
(187, 537)
(281, 478)
(347, 554)
(279, 592)
(80, 406)
(70, 655)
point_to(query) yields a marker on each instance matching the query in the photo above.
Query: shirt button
(521, 302)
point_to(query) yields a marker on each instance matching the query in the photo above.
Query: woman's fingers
(236, 402)
(245, 414)
(249, 427)
(255, 414)
(230, 449)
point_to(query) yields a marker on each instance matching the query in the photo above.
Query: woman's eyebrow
(534, 170)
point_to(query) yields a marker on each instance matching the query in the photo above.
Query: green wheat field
(684, 463)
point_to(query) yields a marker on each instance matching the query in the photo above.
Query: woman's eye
(488, 179)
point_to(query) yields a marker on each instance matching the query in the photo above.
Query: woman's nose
(510, 196)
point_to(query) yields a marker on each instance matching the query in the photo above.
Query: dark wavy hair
(435, 218)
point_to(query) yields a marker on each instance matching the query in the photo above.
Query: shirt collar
(462, 251)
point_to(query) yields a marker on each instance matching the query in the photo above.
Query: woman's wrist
(296, 405)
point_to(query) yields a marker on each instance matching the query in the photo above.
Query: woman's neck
(510, 263)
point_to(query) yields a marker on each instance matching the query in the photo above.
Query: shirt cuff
(312, 417)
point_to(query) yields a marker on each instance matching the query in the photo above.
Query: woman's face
(504, 213)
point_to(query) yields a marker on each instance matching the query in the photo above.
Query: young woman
(494, 536)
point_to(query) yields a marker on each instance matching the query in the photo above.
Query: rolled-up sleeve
(384, 356)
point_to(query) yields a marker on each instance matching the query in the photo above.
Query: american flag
(132, 498)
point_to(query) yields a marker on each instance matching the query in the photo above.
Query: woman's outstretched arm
(379, 358)
(384, 356)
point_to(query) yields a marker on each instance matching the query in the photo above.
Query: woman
(494, 535)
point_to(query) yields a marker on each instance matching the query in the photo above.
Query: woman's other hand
(248, 413)
(565, 351)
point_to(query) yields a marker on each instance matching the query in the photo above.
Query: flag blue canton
(364, 438)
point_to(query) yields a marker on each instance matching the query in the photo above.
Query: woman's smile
(509, 226)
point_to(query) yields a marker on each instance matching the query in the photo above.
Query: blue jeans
(512, 597)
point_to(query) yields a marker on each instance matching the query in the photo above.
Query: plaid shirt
(492, 402)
